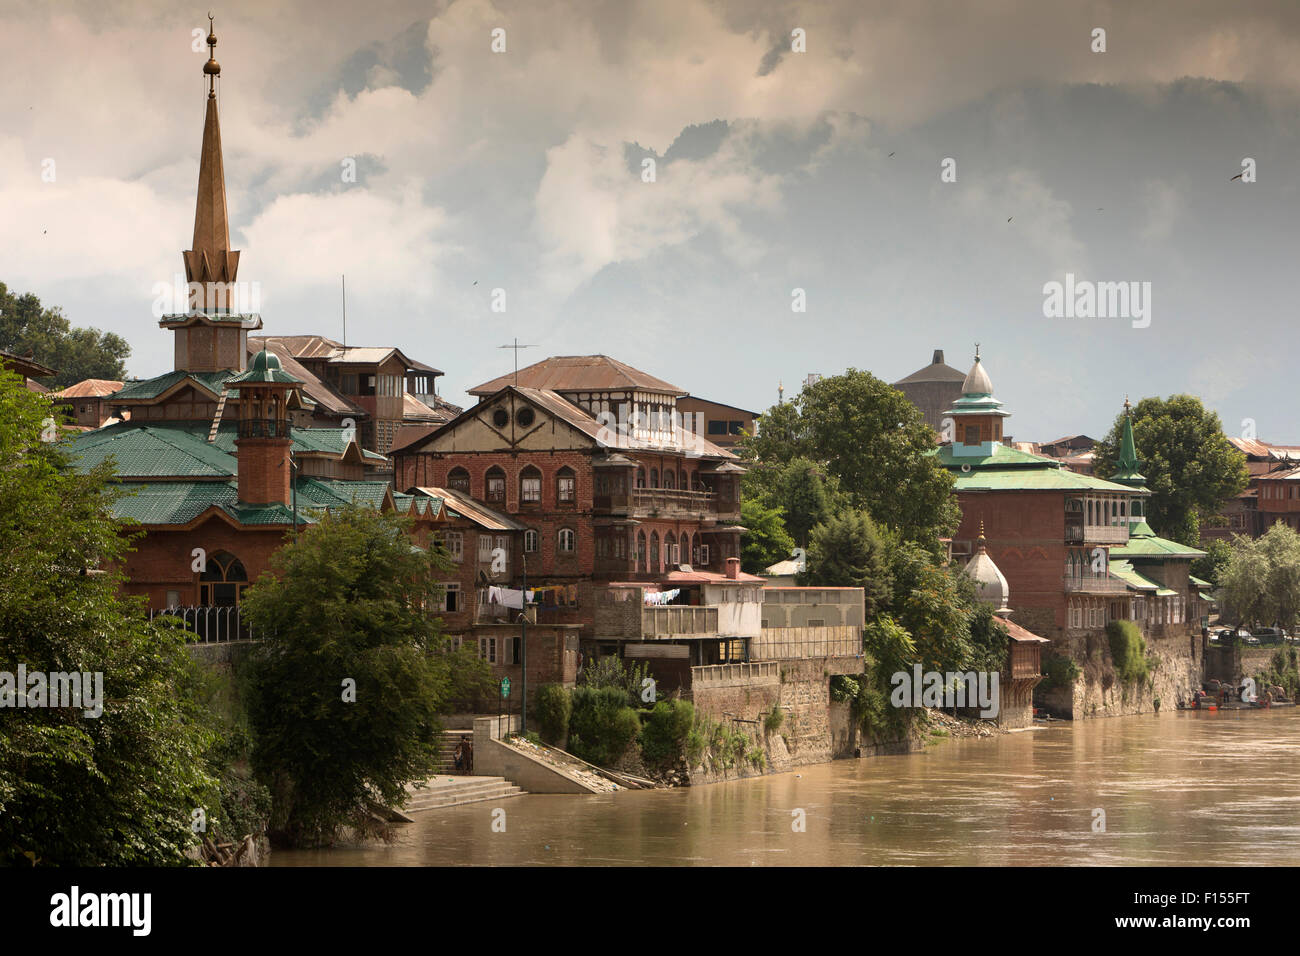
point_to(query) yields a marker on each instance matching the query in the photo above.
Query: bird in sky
(891, 154)
(1009, 218)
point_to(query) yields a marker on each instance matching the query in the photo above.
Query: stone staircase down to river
(444, 791)
(447, 741)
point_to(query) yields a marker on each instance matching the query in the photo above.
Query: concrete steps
(455, 791)
(447, 742)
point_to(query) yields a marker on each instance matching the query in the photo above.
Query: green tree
(74, 353)
(1245, 580)
(347, 686)
(849, 551)
(765, 541)
(114, 790)
(1211, 565)
(873, 441)
(809, 495)
(934, 603)
(1281, 547)
(1190, 467)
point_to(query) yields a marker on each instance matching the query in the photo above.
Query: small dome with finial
(977, 380)
(990, 583)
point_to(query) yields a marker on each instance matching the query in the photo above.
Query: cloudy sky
(775, 170)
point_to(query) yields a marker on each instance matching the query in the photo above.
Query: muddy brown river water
(1178, 788)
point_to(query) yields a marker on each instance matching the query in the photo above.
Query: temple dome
(990, 583)
(977, 380)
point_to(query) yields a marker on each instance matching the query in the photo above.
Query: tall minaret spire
(210, 259)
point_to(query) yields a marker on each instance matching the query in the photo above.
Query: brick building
(89, 403)
(217, 463)
(587, 454)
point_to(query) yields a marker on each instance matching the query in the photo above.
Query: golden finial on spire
(212, 69)
(1127, 406)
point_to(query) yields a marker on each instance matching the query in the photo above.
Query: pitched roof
(24, 365)
(179, 503)
(936, 371)
(318, 390)
(1144, 543)
(150, 388)
(579, 373)
(457, 503)
(91, 388)
(1009, 469)
(315, 347)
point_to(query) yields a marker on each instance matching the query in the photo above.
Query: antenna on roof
(516, 346)
(345, 309)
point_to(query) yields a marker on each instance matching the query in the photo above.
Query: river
(1176, 788)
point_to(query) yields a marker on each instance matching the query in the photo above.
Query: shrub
(1061, 671)
(773, 721)
(664, 732)
(601, 724)
(553, 709)
(611, 672)
(1128, 651)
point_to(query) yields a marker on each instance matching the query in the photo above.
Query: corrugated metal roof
(457, 502)
(1262, 449)
(580, 373)
(319, 391)
(151, 388)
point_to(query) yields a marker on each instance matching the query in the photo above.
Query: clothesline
(662, 597)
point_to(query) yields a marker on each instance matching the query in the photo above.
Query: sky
(776, 169)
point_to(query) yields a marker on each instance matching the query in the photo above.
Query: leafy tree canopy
(849, 551)
(765, 541)
(114, 790)
(1190, 467)
(74, 353)
(347, 685)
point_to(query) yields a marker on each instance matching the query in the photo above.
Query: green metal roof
(180, 502)
(1126, 468)
(1126, 573)
(1199, 582)
(153, 387)
(264, 370)
(1009, 469)
(1142, 545)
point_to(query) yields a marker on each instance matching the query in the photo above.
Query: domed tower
(976, 416)
(266, 393)
(990, 583)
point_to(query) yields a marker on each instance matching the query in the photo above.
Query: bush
(665, 730)
(773, 721)
(1061, 671)
(554, 707)
(1128, 651)
(601, 725)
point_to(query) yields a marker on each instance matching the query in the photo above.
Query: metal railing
(263, 428)
(210, 625)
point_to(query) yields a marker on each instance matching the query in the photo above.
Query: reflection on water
(1178, 788)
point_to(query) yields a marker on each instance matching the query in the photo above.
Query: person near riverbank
(464, 757)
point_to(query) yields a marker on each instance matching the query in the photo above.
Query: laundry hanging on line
(662, 597)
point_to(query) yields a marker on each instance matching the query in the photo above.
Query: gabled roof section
(91, 388)
(311, 348)
(24, 365)
(458, 504)
(149, 389)
(580, 373)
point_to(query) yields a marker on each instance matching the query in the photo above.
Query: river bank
(1014, 798)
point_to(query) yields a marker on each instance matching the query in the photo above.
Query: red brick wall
(1025, 534)
(162, 560)
(264, 470)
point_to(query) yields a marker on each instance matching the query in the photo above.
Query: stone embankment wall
(1098, 692)
(740, 696)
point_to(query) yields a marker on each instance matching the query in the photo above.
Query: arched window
(458, 480)
(530, 486)
(683, 482)
(640, 551)
(566, 491)
(531, 541)
(566, 540)
(670, 479)
(496, 485)
(655, 567)
(654, 477)
(640, 477)
(222, 581)
(670, 547)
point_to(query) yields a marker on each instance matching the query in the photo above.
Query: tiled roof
(91, 388)
(579, 373)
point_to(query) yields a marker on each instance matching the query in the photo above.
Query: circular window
(525, 417)
(500, 418)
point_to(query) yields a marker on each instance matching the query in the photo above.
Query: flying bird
(891, 154)
(1009, 218)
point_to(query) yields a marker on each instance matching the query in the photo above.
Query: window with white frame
(454, 542)
(531, 540)
(451, 598)
(484, 548)
(487, 649)
(566, 538)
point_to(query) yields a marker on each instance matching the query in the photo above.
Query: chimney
(938, 357)
(733, 568)
(262, 450)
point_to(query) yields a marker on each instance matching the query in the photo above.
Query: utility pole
(523, 649)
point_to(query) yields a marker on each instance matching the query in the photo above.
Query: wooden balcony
(1078, 533)
(669, 622)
